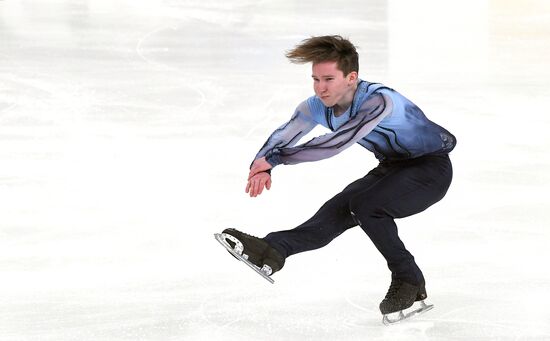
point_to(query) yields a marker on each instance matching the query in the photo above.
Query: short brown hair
(324, 49)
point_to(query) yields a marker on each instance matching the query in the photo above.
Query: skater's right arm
(288, 134)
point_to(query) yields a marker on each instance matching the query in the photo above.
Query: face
(330, 84)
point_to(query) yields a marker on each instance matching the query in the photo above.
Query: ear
(352, 77)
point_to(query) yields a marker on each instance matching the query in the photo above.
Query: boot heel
(422, 295)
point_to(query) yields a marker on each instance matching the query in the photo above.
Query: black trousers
(392, 190)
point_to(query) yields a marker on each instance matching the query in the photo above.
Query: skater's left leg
(405, 188)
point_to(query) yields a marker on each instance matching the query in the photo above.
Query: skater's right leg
(331, 220)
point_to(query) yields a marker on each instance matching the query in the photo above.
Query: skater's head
(335, 67)
(323, 49)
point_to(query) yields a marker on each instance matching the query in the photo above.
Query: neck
(343, 105)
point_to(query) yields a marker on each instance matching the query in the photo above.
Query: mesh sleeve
(371, 112)
(291, 132)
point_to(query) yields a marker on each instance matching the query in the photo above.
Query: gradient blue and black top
(379, 119)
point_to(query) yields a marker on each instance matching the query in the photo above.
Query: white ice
(126, 132)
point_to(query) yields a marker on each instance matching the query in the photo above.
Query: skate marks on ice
(473, 321)
(148, 50)
(237, 252)
(236, 314)
(221, 322)
(304, 311)
(239, 314)
(479, 320)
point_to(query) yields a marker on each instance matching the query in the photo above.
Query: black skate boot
(258, 251)
(402, 295)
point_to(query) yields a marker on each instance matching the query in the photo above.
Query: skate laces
(244, 234)
(248, 235)
(394, 287)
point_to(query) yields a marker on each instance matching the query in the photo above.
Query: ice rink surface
(127, 129)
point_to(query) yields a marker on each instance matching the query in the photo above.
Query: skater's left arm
(374, 110)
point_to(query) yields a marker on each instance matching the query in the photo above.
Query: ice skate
(254, 252)
(400, 302)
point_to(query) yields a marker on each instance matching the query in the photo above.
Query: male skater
(414, 170)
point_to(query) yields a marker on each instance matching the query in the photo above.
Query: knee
(363, 210)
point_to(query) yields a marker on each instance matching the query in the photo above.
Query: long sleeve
(291, 132)
(371, 112)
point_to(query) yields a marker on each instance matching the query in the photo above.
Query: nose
(320, 86)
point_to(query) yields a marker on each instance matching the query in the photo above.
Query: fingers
(258, 187)
(255, 186)
(251, 188)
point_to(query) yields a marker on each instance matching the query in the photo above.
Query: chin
(326, 103)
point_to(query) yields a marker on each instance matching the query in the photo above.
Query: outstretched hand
(258, 166)
(256, 184)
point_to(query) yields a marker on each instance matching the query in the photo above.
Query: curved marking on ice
(139, 52)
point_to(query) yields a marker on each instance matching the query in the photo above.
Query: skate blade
(394, 318)
(220, 237)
